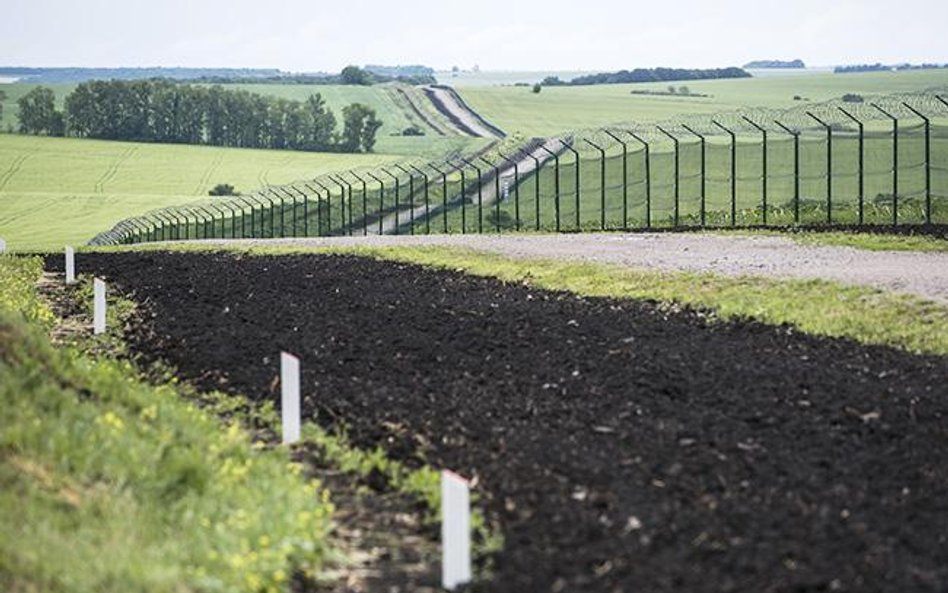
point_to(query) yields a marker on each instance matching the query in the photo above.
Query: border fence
(879, 162)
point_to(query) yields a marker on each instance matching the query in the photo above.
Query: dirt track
(620, 447)
(449, 103)
(921, 274)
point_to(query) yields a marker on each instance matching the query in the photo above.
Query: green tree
(321, 124)
(360, 128)
(3, 97)
(355, 75)
(38, 113)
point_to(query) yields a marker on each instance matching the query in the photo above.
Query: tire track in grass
(208, 172)
(13, 169)
(113, 169)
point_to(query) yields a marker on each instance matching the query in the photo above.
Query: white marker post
(3, 245)
(70, 265)
(290, 399)
(98, 313)
(455, 531)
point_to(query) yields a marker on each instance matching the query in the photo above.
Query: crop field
(617, 444)
(620, 192)
(63, 190)
(557, 110)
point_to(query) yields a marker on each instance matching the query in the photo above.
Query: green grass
(813, 306)
(109, 484)
(55, 191)
(864, 241)
(559, 109)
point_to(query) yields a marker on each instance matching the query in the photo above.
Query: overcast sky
(298, 35)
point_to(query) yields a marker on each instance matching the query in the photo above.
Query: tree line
(648, 75)
(163, 111)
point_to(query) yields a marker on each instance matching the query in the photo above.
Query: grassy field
(560, 109)
(55, 190)
(396, 114)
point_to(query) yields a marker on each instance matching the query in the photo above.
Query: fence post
(319, 208)
(796, 170)
(427, 201)
(276, 195)
(928, 161)
(455, 531)
(342, 205)
(763, 178)
(296, 191)
(862, 162)
(677, 192)
(895, 163)
(411, 198)
(460, 170)
(292, 197)
(444, 195)
(480, 194)
(703, 142)
(625, 179)
(346, 188)
(576, 156)
(602, 183)
(516, 169)
(165, 224)
(829, 167)
(98, 307)
(290, 397)
(536, 187)
(70, 265)
(381, 199)
(398, 185)
(556, 183)
(497, 195)
(245, 202)
(648, 178)
(733, 172)
(365, 203)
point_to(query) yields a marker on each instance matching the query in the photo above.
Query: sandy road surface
(921, 274)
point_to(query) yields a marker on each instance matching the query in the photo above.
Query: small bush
(413, 131)
(223, 189)
(853, 98)
(537, 88)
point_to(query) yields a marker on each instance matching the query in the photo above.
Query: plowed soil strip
(618, 446)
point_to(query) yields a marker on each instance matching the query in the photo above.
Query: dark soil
(619, 446)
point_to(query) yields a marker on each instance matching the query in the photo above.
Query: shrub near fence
(878, 162)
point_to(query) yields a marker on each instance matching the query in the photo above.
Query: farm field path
(921, 274)
(619, 446)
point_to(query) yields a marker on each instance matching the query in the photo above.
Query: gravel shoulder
(921, 274)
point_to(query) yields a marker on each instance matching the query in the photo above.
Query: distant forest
(648, 75)
(163, 111)
(884, 68)
(776, 64)
(350, 75)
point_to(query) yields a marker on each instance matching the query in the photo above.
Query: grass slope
(64, 190)
(108, 484)
(559, 109)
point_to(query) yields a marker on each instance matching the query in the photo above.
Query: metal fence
(878, 162)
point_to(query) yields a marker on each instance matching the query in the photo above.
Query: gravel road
(921, 274)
